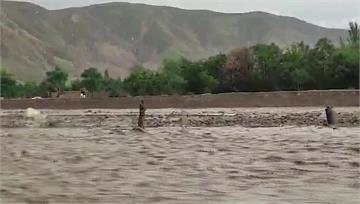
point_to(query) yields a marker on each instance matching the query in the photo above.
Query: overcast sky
(327, 13)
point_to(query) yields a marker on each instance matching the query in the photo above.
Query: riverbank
(337, 98)
(215, 117)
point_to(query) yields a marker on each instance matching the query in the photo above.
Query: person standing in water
(142, 110)
(330, 116)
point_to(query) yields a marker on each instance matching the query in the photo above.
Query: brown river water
(94, 156)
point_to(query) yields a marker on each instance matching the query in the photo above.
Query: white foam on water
(35, 118)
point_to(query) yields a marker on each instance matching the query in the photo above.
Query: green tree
(140, 82)
(293, 59)
(344, 72)
(354, 34)
(300, 76)
(30, 89)
(197, 78)
(170, 76)
(267, 67)
(55, 80)
(9, 87)
(215, 68)
(344, 69)
(351, 55)
(113, 87)
(75, 85)
(92, 80)
(320, 63)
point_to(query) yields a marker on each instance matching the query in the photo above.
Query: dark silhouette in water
(141, 115)
(330, 116)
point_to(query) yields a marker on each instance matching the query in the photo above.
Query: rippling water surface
(99, 164)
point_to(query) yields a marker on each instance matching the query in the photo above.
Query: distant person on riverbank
(83, 92)
(142, 110)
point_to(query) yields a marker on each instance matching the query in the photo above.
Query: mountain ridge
(116, 36)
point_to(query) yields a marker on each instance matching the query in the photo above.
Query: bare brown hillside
(117, 36)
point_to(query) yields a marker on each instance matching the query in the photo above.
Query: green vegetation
(55, 80)
(257, 68)
(10, 88)
(92, 80)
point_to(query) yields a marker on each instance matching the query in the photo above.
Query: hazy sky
(328, 13)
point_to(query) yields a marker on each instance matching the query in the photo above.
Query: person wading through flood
(142, 110)
(330, 117)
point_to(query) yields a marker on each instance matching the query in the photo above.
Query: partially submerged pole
(184, 119)
(141, 115)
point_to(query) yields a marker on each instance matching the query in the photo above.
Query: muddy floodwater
(95, 156)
